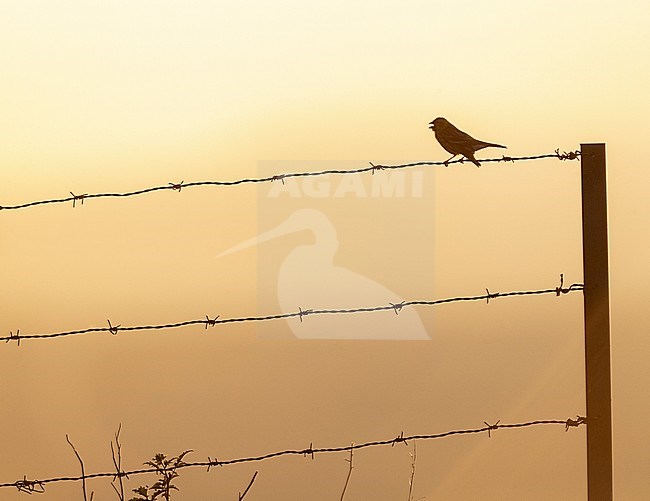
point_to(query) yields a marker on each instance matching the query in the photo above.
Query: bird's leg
(446, 162)
(471, 158)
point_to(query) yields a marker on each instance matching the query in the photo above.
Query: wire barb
(565, 290)
(176, 186)
(571, 155)
(13, 337)
(490, 295)
(213, 462)
(78, 197)
(398, 306)
(575, 422)
(376, 167)
(399, 438)
(310, 451)
(29, 486)
(303, 313)
(113, 328)
(211, 322)
(491, 427)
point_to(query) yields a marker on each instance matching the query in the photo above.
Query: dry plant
(347, 480)
(116, 453)
(241, 496)
(166, 468)
(83, 472)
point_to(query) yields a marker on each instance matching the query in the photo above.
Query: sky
(118, 96)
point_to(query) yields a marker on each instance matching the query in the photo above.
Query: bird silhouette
(457, 142)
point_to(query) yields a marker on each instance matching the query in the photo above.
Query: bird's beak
(253, 242)
(431, 126)
(289, 225)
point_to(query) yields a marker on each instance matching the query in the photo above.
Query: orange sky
(101, 97)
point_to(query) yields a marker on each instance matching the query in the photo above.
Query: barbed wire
(74, 198)
(211, 322)
(31, 486)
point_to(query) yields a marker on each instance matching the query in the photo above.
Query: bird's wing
(457, 138)
(463, 142)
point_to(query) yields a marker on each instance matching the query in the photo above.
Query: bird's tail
(492, 145)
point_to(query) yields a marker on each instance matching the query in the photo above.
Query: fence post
(596, 308)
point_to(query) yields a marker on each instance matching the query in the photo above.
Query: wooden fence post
(596, 307)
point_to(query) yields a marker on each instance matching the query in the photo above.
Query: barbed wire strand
(26, 485)
(571, 155)
(211, 322)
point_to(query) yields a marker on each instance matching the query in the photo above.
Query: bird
(457, 142)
